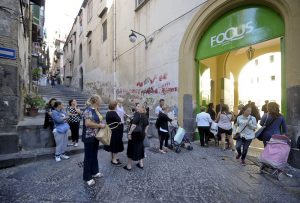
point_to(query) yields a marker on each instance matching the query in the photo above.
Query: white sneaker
(91, 182)
(98, 175)
(57, 158)
(76, 145)
(63, 156)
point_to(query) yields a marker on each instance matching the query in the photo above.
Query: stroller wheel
(178, 150)
(261, 168)
(189, 147)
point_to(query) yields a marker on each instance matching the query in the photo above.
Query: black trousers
(204, 134)
(90, 164)
(74, 127)
(242, 142)
(163, 136)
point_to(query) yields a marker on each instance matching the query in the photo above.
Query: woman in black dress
(135, 149)
(116, 142)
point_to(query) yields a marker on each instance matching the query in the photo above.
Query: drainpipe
(115, 51)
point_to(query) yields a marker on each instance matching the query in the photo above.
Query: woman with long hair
(246, 124)
(48, 119)
(274, 122)
(92, 122)
(224, 120)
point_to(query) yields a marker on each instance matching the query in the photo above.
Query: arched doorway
(233, 34)
(289, 47)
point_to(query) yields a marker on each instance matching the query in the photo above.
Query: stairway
(64, 94)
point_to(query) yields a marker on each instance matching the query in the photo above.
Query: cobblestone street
(201, 175)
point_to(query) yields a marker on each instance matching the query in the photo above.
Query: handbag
(137, 133)
(214, 128)
(259, 133)
(238, 135)
(104, 135)
(62, 128)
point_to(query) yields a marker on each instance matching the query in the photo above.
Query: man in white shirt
(120, 109)
(159, 107)
(203, 123)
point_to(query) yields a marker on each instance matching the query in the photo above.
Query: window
(90, 11)
(71, 45)
(80, 23)
(104, 30)
(80, 54)
(90, 47)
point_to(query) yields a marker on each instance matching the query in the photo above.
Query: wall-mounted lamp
(133, 37)
(250, 53)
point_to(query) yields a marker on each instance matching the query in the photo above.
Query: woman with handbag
(224, 119)
(61, 131)
(136, 135)
(74, 120)
(116, 142)
(246, 124)
(274, 122)
(91, 125)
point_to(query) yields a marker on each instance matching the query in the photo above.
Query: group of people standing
(93, 121)
(241, 126)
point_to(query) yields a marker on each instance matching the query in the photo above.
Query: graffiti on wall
(150, 90)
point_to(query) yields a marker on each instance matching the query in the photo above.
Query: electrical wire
(161, 28)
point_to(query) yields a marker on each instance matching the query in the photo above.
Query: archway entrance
(81, 79)
(238, 38)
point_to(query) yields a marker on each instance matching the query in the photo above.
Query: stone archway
(211, 11)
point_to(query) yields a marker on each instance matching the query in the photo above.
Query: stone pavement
(201, 175)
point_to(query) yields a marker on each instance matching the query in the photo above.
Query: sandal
(139, 166)
(127, 169)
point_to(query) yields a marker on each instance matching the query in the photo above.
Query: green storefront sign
(239, 28)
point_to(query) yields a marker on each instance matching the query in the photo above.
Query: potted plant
(33, 103)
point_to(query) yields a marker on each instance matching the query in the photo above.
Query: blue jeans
(242, 142)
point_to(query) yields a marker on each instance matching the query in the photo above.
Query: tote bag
(104, 135)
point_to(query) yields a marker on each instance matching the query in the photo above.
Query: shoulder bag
(238, 135)
(137, 133)
(259, 133)
(104, 134)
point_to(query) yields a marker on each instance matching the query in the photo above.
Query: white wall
(141, 74)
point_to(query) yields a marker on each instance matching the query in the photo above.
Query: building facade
(183, 39)
(21, 34)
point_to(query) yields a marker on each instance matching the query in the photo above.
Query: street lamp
(133, 37)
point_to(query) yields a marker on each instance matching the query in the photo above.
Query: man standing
(265, 107)
(159, 107)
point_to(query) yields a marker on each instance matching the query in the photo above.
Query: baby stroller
(274, 157)
(179, 139)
